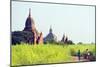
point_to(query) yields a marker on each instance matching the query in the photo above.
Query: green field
(26, 54)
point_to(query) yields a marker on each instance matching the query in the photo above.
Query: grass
(26, 54)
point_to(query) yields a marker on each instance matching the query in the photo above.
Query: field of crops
(26, 54)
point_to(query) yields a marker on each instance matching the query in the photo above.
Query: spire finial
(50, 29)
(29, 12)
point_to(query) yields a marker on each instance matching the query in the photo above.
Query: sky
(76, 22)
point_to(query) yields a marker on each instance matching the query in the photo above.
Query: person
(79, 55)
(87, 53)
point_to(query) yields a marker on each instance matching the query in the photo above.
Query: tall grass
(26, 54)
(82, 47)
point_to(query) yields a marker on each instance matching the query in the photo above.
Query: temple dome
(50, 37)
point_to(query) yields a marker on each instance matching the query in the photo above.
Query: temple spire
(29, 12)
(50, 29)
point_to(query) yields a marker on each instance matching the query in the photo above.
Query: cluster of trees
(22, 36)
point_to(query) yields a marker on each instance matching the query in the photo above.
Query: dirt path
(75, 59)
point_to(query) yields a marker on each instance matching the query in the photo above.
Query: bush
(73, 52)
(70, 42)
(80, 43)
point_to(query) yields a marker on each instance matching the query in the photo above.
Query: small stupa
(50, 37)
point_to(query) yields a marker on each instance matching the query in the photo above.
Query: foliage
(82, 47)
(22, 36)
(80, 43)
(70, 42)
(26, 54)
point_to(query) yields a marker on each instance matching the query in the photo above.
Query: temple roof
(29, 24)
(50, 36)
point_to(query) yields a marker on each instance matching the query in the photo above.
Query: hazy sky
(77, 22)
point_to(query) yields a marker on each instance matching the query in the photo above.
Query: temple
(30, 26)
(50, 38)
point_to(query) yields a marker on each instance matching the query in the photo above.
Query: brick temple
(30, 26)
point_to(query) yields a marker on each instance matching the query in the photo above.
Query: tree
(80, 43)
(70, 42)
(22, 36)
